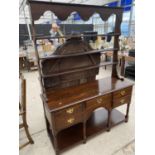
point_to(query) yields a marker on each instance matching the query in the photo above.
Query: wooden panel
(120, 101)
(52, 69)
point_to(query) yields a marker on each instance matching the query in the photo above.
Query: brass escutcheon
(123, 92)
(70, 121)
(122, 101)
(60, 103)
(99, 100)
(70, 110)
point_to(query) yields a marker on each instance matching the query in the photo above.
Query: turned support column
(84, 133)
(56, 144)
(127, 113)
(109, 120)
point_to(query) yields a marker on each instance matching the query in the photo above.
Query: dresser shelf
(79, 69)
(56, 56)
(75, 36)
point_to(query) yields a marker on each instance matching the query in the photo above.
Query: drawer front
(64, 122)
(123, 92)
(102, 101)
(69, 111)
(68, 117)
(120, 101)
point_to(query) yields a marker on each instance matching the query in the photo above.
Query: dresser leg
(47, 127)
(84, 133)
(127, 113)
(109, 120)
(56, 144)
(56, 152)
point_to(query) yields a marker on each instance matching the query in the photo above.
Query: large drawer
(102, 101)
(120, 101)
(68, 117)
(123, 92)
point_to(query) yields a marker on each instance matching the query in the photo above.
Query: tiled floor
(119, 141)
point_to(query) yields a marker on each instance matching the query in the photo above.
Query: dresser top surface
(73, 95)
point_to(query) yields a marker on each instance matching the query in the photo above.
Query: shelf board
(96, 124)
(79, 69)
(55, 56)
(39, 37)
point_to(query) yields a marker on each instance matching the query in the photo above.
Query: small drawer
(123, 92)
(120, 101)
(65, 122)
(102, 101)
(69, 111)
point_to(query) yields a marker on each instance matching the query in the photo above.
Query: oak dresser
(76, 105)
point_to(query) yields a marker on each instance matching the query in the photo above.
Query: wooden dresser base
(96, 124)
(85, 111)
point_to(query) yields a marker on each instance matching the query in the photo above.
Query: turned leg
(109, 120)
(56, 144)
(84, 133)
(127, 113)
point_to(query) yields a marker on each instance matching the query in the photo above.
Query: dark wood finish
(79, 69)
(39, 7)
(76, 105)
(23, 113)
(56, 56)
(123, 92)
(127, 112)
(121, 101)
(66, 97)
(85, 71)
(99, 102)
(96, 124)
(68, 117)
(122, 65)
(109, 120)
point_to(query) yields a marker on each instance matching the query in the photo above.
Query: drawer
(68, 117)
(123, 92)
(102, 101)
(120, 101)
(64, 122)
(69, 111)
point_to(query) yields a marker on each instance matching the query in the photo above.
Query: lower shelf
(95, 124)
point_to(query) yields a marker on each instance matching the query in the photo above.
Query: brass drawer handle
(99, 100)
(122, 101)
(70, 111)
(70, 121)
(123, 92)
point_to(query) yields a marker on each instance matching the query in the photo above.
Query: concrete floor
(119, 141)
